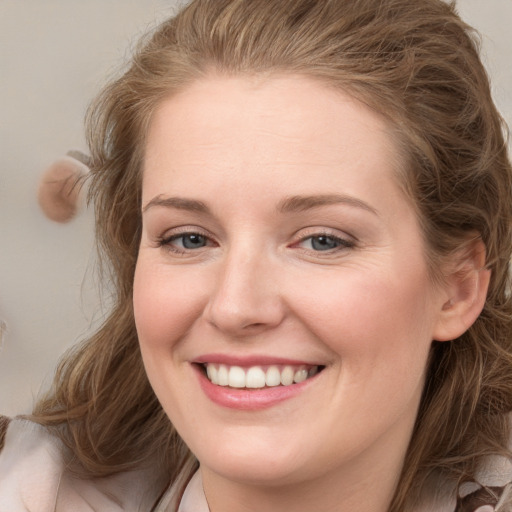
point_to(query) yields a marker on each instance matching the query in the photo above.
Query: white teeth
(212, 372)
(300, 375)
(222, 376)
(287, 376)
(273, 376)
(256, 377)
(236, 377)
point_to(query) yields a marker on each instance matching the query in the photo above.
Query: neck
(362, 487)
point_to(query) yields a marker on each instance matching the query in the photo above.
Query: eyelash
(166, 241)
(341, 243)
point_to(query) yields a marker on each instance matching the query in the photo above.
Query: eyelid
(313, 231)
(184, 230)
(345, 240)
(172, 234)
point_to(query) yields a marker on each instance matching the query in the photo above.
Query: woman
(306, 206)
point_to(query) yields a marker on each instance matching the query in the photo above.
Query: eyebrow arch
(288, 205)
(304, 203)
(179, 203)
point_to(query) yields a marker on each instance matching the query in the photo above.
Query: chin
(257, 464)
(264, 472)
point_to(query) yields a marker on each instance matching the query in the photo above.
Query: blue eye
(325, 243)
(192, 241)
(187, 241)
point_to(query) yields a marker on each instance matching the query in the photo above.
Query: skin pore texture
(275, 234)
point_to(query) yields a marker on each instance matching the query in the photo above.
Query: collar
(193, 499)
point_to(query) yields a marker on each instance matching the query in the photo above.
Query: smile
(258, 377)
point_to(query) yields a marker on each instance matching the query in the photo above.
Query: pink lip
(246, 361)
(249, 400)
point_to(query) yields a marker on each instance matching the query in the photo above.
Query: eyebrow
(180, 203)
(288, 205)
(304, 203)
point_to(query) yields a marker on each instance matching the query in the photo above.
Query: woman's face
(277, 246)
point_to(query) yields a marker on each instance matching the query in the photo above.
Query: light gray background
(54, 56)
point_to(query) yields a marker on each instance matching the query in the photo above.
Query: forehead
(289, 128)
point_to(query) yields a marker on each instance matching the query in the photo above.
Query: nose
(246, 299)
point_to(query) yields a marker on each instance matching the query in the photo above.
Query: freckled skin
(365, 310)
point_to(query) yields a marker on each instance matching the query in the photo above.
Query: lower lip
(250, 399)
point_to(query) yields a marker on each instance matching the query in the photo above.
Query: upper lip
(251, 360)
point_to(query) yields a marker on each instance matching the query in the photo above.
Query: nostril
(255, 325)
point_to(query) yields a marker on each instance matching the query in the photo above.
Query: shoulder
(492, 488)
(34, 478)
(30, 467)
(490, 491)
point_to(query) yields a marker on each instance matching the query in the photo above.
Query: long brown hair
(417, 64)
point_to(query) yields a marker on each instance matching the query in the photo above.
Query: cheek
(378, 330)
(374, 322)
(166, 304)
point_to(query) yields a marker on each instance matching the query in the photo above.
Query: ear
(465, 290)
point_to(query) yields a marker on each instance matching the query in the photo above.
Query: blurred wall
(54, 56)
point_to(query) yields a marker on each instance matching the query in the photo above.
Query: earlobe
(465, 292)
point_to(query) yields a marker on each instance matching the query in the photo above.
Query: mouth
(258, 377)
